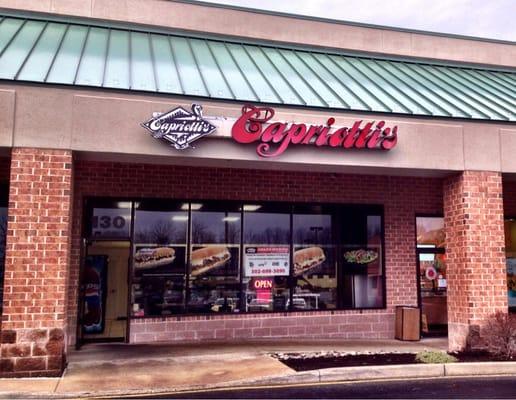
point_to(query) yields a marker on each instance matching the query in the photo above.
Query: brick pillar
(473, 218)
(36, 265)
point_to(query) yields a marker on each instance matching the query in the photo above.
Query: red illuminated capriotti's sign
(273, 138)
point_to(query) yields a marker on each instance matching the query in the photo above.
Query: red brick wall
(476, 271)
(36, 265)
(349, 324)
(402, 198)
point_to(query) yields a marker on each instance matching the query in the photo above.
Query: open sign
(263, 284)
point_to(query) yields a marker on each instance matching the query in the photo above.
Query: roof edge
(132, 26)
(342, 22)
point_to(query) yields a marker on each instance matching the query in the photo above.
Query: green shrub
(434, 357)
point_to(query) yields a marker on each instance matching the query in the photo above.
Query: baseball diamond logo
(179, 127)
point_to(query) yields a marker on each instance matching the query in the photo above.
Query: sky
(494, 19)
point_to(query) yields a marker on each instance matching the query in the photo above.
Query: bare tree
(233, 233)
(163, 232)
(143, 236)
(201, 233)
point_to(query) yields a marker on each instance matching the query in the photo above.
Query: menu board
(511, 281)
(267, 260)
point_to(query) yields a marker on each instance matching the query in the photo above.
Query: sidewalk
(118, 369)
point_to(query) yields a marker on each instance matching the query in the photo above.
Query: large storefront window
(159, 258)
(362, 259)
(214, 275)
(510, 248)
(266, 257)
(315, 269)
(198, 257)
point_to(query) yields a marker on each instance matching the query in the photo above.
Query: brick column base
(36, 263)
(475, 253)
(32, 352)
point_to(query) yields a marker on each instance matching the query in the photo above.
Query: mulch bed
(309, 362)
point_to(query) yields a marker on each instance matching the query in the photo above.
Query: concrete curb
(480, 368)
(383, 372)
(345, 374)
(386, 372)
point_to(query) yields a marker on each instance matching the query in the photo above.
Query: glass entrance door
(104, 295)
(432, 290)
(431, 259)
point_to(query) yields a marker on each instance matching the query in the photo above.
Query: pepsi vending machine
(95, 289)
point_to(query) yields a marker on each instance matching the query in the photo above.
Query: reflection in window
(266, 259)
(266, 228)
(160, 227)
(430, 232)
(159, 259)
(432, 273)
(214, 257)
(361, 256)
(214, 283)
(510, 248)
(215, 226)
(314, 264)
(368, 282)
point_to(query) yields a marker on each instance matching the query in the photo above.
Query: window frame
(423, 250)
(512, 309)
(336, 211)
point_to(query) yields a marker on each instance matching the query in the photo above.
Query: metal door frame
(85, 243)
(419, 251)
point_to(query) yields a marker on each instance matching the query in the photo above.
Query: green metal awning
(77, 53)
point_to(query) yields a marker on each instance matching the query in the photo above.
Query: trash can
(407, 326)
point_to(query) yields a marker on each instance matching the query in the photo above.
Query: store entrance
(104, 291)
(432, 292)
(431, 262)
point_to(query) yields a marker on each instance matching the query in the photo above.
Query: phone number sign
(266, 260)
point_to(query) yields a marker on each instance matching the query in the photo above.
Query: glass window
(110, 219)
(361, 257)
(214, 275)
(228, 257)
(266, 257)
(368, 284)
(510, 248)
(314, 263)
(431, 259)
(430, 232)
(159, 259)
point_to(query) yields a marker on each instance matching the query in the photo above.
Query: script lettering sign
(273, 138)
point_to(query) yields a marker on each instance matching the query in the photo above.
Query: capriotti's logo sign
(179, 127)
(274, 138)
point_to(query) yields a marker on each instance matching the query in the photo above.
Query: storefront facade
(312, 195)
